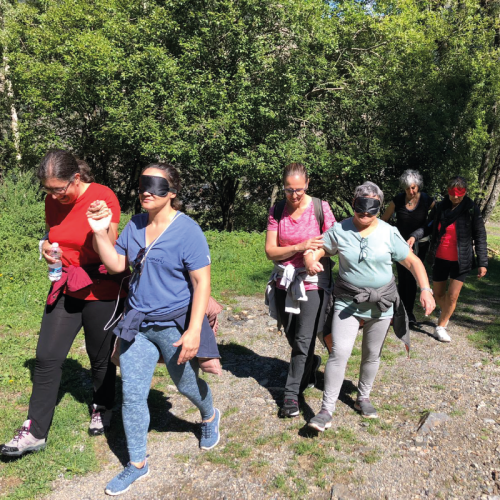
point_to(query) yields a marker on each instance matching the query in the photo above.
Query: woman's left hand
(481, 272)
(190, 342)
(99, 216)
(427, 301)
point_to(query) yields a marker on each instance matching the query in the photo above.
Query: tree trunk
(227, 190)
(274, 195)
(493, 190)
(7, 89)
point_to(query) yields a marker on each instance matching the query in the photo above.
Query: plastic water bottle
(55, 269)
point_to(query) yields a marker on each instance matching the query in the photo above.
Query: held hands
(314, 267)
(481, 272)
(99, 216)
(190, 342)
(411, 242)
(46, 248)
(427, 301)
(314, 243)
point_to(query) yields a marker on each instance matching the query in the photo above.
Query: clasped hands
(99, 216)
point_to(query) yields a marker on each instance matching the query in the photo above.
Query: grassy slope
(239, 267)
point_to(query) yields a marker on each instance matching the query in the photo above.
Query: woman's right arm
(274, 252)
(388, 213)
(99, 218)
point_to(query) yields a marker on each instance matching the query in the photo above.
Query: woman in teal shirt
(365, 290)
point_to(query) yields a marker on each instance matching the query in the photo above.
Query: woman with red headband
(457, 230)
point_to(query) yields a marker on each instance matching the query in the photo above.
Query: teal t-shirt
(365, 262)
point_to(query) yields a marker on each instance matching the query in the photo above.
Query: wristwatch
(428, 289)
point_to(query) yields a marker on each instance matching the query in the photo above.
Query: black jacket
(471, 234)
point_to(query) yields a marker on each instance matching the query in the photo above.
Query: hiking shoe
(210, 434)
(123, 481)
(322, 421)
(290, 408)
(314, 373)
(411, 319)
(441, 334)
(366, 408)
(22, 442)
(100, 420)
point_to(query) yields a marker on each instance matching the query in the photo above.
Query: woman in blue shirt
(364, 291)
(165, 310)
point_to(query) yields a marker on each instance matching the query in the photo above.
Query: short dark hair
(60, 164)
(173, 178)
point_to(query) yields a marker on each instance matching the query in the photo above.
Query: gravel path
(261, 456)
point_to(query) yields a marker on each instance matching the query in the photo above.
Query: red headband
(457, 191)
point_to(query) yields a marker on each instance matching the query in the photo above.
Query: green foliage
(232, 91)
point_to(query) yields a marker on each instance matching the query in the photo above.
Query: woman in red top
(458, 244)
(70, 190)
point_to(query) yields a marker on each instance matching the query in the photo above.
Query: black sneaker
(314, 372)
(411, 319)
(290, 408)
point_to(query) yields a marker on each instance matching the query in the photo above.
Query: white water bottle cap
(55, 245)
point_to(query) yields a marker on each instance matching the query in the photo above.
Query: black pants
(407, 286)
(60, 325)
(301, 330)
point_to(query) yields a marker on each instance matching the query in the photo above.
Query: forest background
(232, 90)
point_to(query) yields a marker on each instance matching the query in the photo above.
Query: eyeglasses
(298, 192)
(363, 254)
(56, 190)
(139, 261)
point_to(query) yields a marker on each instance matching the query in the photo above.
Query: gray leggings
(344, 330)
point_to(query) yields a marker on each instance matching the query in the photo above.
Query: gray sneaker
(365, 408)
(100, 420)
(322, 421)
(22, 442)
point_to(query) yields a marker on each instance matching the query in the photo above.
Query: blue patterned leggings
(137, 363)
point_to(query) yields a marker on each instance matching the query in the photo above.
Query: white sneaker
(100, 421)
(441, 334)
(22, 442)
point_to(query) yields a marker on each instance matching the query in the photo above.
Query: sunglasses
(56, 190)
(363, 245)
(139, 260)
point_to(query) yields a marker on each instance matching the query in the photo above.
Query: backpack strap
(318, 212)
(279, 207)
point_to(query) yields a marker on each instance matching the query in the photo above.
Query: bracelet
(427, 289)
(307, 251)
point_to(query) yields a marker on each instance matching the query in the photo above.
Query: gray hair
(457, 182)
(410, 177)
(368, 189)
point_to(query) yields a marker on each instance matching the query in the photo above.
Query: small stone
(244, 313)
(271, 323)
(430, 421)
(477, 365)
(482, 404)
(250, 321)
(489, 421)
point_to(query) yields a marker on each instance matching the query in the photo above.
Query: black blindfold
(367, 205)
(155, 185)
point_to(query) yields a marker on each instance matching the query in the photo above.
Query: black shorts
(444, 269)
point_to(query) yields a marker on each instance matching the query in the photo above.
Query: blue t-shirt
(365, 262)
(164, 284)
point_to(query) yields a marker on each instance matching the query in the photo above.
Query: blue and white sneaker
(123, 481)
(210, 432)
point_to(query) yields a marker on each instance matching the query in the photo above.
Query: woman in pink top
(298, 300)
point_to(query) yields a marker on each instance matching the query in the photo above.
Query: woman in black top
(411, 208)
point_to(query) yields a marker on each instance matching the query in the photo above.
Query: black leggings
(407, 286)
(60, 325)
(301, 335)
